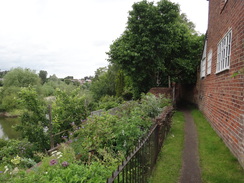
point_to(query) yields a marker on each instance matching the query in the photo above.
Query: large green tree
(110, 81)
(33, 119)
(20, 77)
(104, 82)
(157, 43)
(43, 76)
(12, 83)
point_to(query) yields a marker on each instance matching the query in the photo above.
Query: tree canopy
(158, 42)
(43, 76)
(103, 82)
(19, 77)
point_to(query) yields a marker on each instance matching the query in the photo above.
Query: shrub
(12, 148)
(153, 105)
(33, 119)
(108, 102)
(117, 133)
(95, 172)
(96, 147)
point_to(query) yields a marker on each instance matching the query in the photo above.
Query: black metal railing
(138, 166)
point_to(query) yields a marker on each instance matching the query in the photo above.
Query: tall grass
(169, 161)
(217, 163)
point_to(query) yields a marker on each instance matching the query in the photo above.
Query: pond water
(6, 130)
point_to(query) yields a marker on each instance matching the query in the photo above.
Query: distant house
(219, 92)
(81, 81)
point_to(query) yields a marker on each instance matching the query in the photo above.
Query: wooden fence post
(50, 126)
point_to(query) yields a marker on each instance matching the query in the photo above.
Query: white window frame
(203, 68)
(224, 53)
(209, 62)
(203, 61)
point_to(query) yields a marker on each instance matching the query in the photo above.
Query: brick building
(219, 92)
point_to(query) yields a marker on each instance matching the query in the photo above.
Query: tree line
(159, 44)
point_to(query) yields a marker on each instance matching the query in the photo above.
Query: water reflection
(6, 130)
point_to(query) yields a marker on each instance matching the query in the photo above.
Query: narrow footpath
(190, 172)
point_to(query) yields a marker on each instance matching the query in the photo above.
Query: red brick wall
(220, 96)
(161, 90)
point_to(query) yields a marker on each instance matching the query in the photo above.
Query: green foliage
(157, 43)
(111, 81)
(239, 72)
(108, 102)
(49, 88)
(116, 132)
(33, 120)
(43, 76)
(94, 148)
(19, 77)
(13, 81)
(3, 73)
(152, 105)
(96, 135)
(3, 143)
(120, 83)
(9, 97)
(12, 148)
(68, 108)
(96, 172)
(63, 169)
(104, 82)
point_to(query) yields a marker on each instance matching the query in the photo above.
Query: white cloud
(67, 37)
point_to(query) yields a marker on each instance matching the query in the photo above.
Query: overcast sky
(70, 37)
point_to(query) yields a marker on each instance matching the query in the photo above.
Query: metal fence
(138, 166)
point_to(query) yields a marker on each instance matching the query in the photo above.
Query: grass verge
(169, 161)
(217, 163)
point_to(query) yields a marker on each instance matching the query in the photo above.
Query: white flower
(15, 171)
(54, 152)
(60, 156)
(124, 143)
(6, 169)
(58, 153)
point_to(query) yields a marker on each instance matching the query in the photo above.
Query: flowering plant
(65, 164)
(16, 160)
(53, 162)
(6, 169)
(57, 154)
